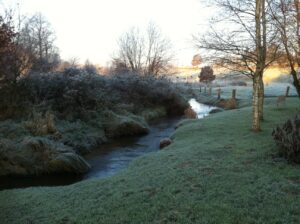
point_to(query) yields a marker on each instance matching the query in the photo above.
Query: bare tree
(131, 46)
(286, 18)
(243, 45)
(37, 38)
(73, 62)
(158, 56)
(197, 60)
(147, 54)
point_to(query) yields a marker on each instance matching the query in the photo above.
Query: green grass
(216, 171)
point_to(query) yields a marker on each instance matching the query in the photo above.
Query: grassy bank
(52, 119)
(216, 171)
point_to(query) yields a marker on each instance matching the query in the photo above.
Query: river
(110, 158)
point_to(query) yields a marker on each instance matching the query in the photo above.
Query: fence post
(209, 91)
(287, 91)
(219, 93)
(234, 94)
(205, 89)
(200, 89)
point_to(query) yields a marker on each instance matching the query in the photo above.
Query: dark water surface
(110, 158)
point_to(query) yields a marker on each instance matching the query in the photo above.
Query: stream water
(110, 158)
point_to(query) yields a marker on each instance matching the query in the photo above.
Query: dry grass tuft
(190, 113)
(228, 104)
(41, 125)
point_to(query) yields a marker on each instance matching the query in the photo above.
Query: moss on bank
(216, 171)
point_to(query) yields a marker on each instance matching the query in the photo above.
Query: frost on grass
(50, 119)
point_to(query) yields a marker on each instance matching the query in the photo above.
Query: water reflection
(111, 158)
(201, 109)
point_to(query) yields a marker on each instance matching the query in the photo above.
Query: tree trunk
(297, 9)
(296, 81)
(261, 93)
(261, 89)
(258, 84)
(255, 101)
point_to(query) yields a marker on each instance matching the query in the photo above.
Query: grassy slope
(216, 171)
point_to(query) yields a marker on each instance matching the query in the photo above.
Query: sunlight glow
(273, 73)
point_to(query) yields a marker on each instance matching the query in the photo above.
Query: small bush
(287, 138)
(228, 104)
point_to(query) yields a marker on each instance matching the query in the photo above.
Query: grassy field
(216, 171)
(245, 92)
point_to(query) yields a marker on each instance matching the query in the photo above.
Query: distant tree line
(28, 45)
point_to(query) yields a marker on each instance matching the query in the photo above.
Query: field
(276, 81)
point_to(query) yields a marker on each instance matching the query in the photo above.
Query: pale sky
(89, 29)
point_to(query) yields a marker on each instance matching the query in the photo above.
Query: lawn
(216, 171)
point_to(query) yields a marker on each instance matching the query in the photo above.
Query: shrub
(147, 91)
(72, 71)
(228, 104)
(68, 96)
(88, 69)
(287, 138)
(75, 96)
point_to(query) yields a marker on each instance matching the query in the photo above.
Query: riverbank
(105, 160)
(110, 158)
(216, 171)
(48, 121)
